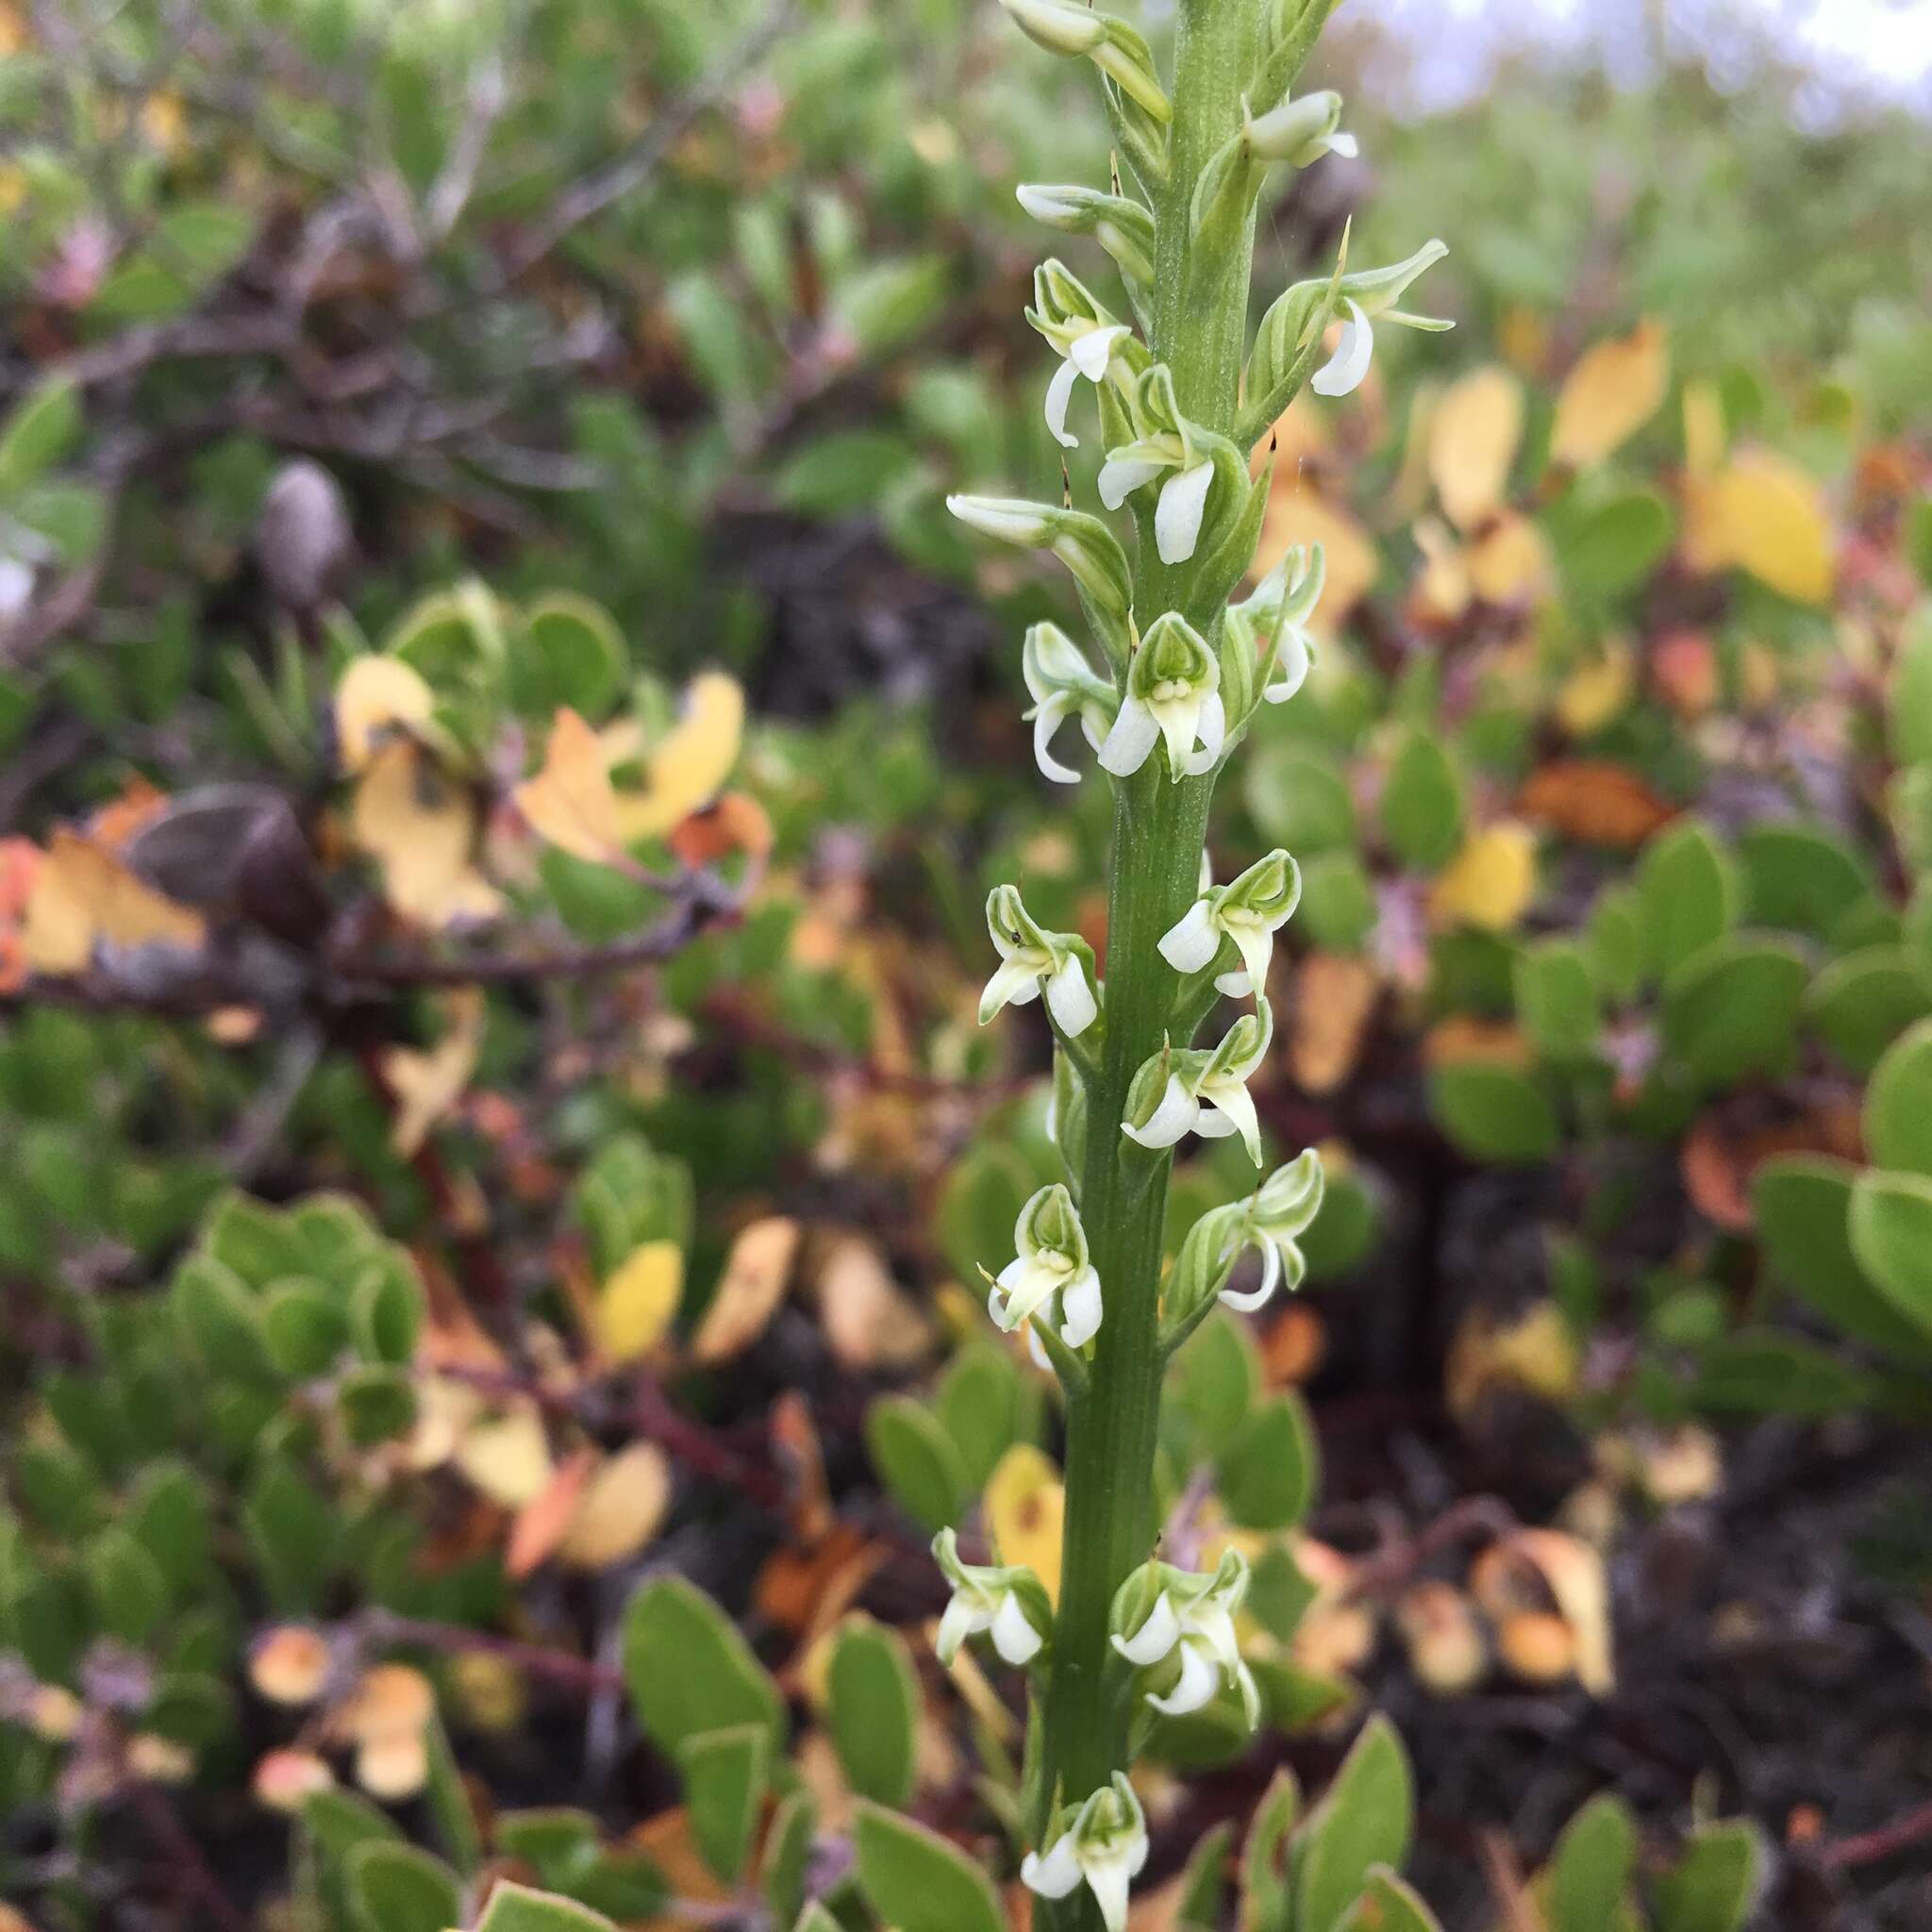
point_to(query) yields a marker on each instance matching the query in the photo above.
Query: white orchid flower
(1247, 910)
(1088, 354)
(1173, 692)
(1300, 131)
(1206, 1093)
(1008, 1604)
(1191, 1618)
(1166, 444)
(1283, 1209)
(1103, 1844)
(1063, 685)
(1089, 341)
(1051, 1268)
(1367, 297)
(1278, 613)
(1032, 961)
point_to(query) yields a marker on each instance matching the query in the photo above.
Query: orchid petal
(1120, 477)
(1212, 731)
(1248, 1301)
(1192, 941)
(1080, 1304)
(1343, 371)
(1199, 1680)
(1070, 999)
(1059, 397)
(1047, 721)
(1154, 1638)
(1013, 1635)
(1131, 739)
(1177, 1113)
(1054, 1875)
(1177, 516)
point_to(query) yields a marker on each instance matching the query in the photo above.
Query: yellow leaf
(1490, 882)
(639, 1300)
(693, 761)
(622, 1509)
(755, 1274)
(82, 896)
(1025, 1512)
(1296, 515)
(1509, 563)
(1444, 590)
(1611, 393)
(378, 698)
(1593, 694)
(868, 1319)
(421, 830)
(1574, 1574)
(1472, 440)
(1704, 428)
(1763, 514)
(427, 1084)
(570, 801)
(509, 1457)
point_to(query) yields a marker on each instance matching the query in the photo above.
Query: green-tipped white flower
(1123, 227)
(1064, 26)
(1083, 543)
(1090, 340)
(1248, 910)
(1103, 1844)
(1008, 1604)
(1282, 1209)
(1166, 446)
(1032, 961)
(1051, 1273)
(1173, 693)
(1279, 612)
(1189, 1618)
(1063, 685)
(1367, 297)
(1206, 1092)
(1300, 131)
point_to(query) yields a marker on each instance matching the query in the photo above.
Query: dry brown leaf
(1530, 1569)
(289, 1664)
(622, 1509)
(1509, 562)
(753, 1284)
(1463, 1036)
(735, 822)
(868, 1322)
(1614, 390)
(1473, 436)
(1294, 1345)
(1446, 1648)
(81, 896)
(801, 1585)
(1594, 800)
(420, 827)
(539, 1526)
(795, 1443)
(1334, 997)
(570, 800)
(389, 1701)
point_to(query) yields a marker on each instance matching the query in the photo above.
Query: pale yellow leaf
(1025, 1506)
(1704, 428)
(1297, 514)
(1614, 390)
(83, 896)
(690, 765)
(1490, 882)
(637, 1304)
(508, 1457)
(427, 1084)
(377, 698)
(1473, 435)
(1763, 514)
(868, 1319)
(621, 1511)
(420, 828)
(570, 801)
(1593, 694)
(755, 1274)
(1509, 562)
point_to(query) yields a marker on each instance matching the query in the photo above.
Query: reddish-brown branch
(1885, 1841)
(557, 1666)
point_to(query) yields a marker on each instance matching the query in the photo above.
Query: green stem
(1198, 328)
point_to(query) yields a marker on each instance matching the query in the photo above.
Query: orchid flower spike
(1279, 612)
(1051, 1268)
(1173, 692)
(1166, 444)
(1190, 1624)
(1104, 1843)
(1284, 1208)
(1299, 131)
(1007, 1603)
(1206, 1093)
(1368, 297)
(1247, 910)
(1032, 961)
(1063, 685)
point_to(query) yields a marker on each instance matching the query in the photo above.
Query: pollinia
(1162, 687)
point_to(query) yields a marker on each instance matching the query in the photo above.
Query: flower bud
(1088, 548)
(1123, 227)
(1301, 131)
(1064, 26)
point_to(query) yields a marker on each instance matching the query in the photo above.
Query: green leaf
(1338, 909)
(724, 1775)
(1268, 1472)
(1556, 999)
(1861, 1004)
(1909, 702)
(787, 1860)
(1213, 1382)
(570, 652)
(916, 1881)
(1918, 536)
(1363, 1820)
(517, 1908)
(1760, 1372)
(980, 1405)
(1607, 548)
(221, 1319)
(1891, 1236)
(1265, 1857)
(1714, 1885)
(1204, 1880)
(394, 1888)
(39, 430)
(916, 1461)
(128, 1591)
(874, 1711)
(339, 1820)
(386, 1307)
(1392, 1905)
(1802, 1205)
(257, 1242)
(1298, 799)
(1733, 1009)
(1799, 877)
(1898, 1104)
(689, 1668)
(294, 1536)
(1421, 804)
(305, 1326)
(172, 1516)
(1688, 890)
(376, 1404)
(553, 1839)
(1592, 1866)
(1495, 1112)
(1614, 939)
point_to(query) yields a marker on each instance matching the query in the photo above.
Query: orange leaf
(539, 1526)
(1334, 996)
(1594, 800)
(1611, 393)
(757, 1271)
(82, 896)
(570, 801)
